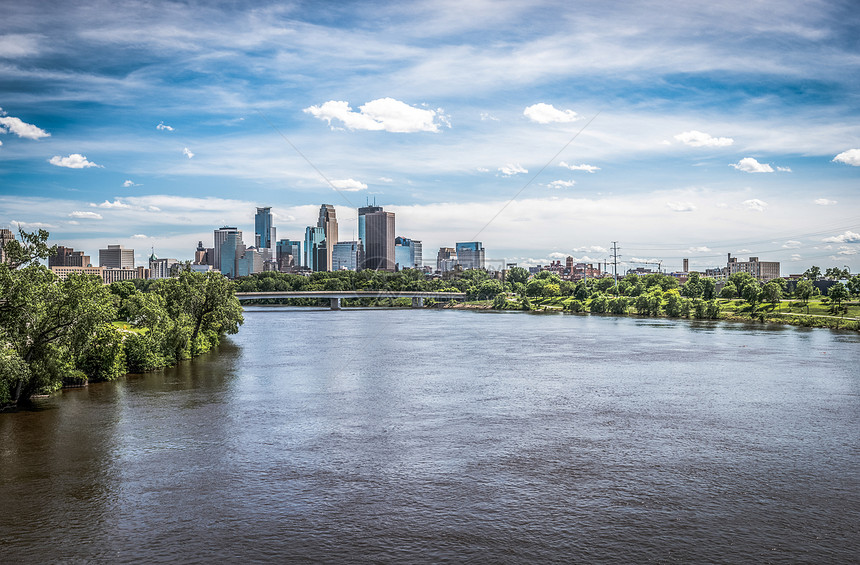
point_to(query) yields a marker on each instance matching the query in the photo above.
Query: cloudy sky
(543, 129)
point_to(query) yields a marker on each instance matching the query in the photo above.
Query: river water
(433, 436)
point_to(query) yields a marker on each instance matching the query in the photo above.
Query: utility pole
(615, 264)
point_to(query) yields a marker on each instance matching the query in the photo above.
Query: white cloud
(547, 113)
(750, 165)
(139, 236)
(9, 124)
(85, 215)
(73, 161)
(487, 116)
(825, 202)
(681, 206)
(386, 179)
(187, 152)
(115, 204)
(583, 167)
(695, 138)
(129, 184)
(847, 237)
(31, 225)
(700, 249)
(744, 251)
(164, 127)
(784, 169)
(510, 169)
(791, 244)
(845, 250)
(755, 204)
(483, 170)
(796, 257)
(850, 157)
(348, 185)
(590, 249)
(382, 114)
(561, 184)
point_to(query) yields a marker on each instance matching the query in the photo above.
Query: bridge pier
(335, 303)
(418, 302)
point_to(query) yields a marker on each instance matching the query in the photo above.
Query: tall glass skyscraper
(470, 255)
(314, 243)
(328, 223)
(264, 232)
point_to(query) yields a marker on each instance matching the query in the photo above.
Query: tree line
(57, 332)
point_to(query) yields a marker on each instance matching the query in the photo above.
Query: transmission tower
(615, 264)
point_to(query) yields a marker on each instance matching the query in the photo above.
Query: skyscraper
(264, 232)
(364, 210)
(221, 236)
(116, 257)
(470, 255)
(230, 249)
(408, 253)
(328, 222)
(314, 246)
(347, 255)
(68, 257)
(379, 241)
(289, 254)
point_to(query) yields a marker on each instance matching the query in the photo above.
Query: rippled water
(431, 436)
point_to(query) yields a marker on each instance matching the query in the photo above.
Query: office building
(470, 255)
(68, 257)
(446, 258)
(761, 270)
(264, 232)
(5, 237)
(220, 237)
(204, 255)
(379, 241)
(314, 247)
(288, 254)
(107, 275)
(116, 257)
(364, 210)
(160, 268)
(231, 249)
(408, 253)
(347, 255)
(328, 222)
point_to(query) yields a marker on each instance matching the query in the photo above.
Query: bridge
(337, 295)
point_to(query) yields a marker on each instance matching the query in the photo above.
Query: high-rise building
(264, 232)
(361, 213)
(289, 254)
(470, 255)
(446, 258)
(408, 253)
(68, 257)
(314, 247)
(116, 257)
(328, 222)
(231, 249)
(5, 237)
(379, 241)
(347, 255)
(204, 255)
(220, 237)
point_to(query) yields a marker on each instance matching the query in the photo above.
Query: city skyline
(681, 131)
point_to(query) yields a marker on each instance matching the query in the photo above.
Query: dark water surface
(432, 436)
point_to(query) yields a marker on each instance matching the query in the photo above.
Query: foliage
(837, 294)
(771, 292)
(500, 301)
(599, 304)
(516, 275)
(813, 273)
(729, 291)
(575, 306)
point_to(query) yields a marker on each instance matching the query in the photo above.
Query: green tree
(854, 285)
(741, 280)
(771, 292)
(581, 291)
(517, 275)
(752, 293)
(693, 288)
(674, 303)
(803, 291)
(813, 273)
(729, 291)
(709, 288)
(45, 323)
(837, 294)
(500, 302)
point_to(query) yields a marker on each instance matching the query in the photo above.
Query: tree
(854, 285)
(837, 294)
(835, 273)
(741, 280)
(813, 273)
(709, 288)
(803, 291)
(500, 301)
(752, 293)
(516, 275)
(771, 292)
(729, 291)
(693, 288)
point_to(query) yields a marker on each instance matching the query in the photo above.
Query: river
(451, 436)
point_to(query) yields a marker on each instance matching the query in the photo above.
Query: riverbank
(789, 312)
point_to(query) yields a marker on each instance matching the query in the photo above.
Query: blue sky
(678, 129)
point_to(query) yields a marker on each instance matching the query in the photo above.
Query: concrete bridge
(337, 295)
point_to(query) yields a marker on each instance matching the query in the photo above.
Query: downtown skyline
(679, 130)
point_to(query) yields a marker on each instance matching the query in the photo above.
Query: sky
(543, 129)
